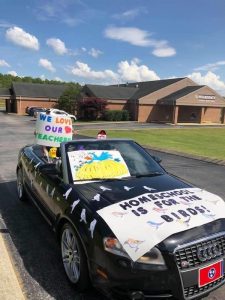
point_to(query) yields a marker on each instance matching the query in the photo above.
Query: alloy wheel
(70, 254)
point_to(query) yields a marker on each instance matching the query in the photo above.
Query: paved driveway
(31, 241)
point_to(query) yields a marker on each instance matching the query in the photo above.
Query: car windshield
(109, 160)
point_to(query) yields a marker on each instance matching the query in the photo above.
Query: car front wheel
(74, 258)
(20, 186)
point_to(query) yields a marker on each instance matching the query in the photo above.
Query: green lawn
(208, 142)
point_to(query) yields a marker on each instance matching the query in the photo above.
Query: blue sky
(105, 42)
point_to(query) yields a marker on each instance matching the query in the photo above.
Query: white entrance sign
(53, 130)
(142, 222)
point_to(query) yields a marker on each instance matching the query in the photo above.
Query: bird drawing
(66, 195)
(74, 204)
(185, 222)
(155, 225)
(148, 188)
(103, 188)
(96, 197)
(83, 216)
(37, 165)
(127, 188)
(119, 214)
(160, 210)
(47, 189)
(92, 227)
(52, 192)
(134, 244)
(209, 216)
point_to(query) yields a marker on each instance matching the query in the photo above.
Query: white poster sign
(53, 130)
(142, 222)
(100, 164)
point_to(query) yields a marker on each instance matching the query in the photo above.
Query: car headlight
(153, 256)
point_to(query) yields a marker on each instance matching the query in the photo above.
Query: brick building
(21, 95)
(178, 100)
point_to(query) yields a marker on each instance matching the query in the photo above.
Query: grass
(207, 142)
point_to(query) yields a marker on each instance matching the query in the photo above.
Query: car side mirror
(157, 159)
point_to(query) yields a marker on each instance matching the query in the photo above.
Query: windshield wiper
(151, 174)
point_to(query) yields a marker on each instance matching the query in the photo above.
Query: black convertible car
(91, 175)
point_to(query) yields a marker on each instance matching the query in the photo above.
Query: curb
(192, 156)
(9, 285)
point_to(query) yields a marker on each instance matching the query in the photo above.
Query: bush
(116, 115)
(126, 116)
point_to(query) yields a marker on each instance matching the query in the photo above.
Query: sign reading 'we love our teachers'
(53, 130)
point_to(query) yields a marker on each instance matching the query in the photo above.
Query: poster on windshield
(157, 215)
(97, 164)
(53, 130)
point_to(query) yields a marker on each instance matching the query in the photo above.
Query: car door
(50, 190)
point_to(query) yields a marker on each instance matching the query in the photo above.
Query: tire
(20, 185)
(74, 259)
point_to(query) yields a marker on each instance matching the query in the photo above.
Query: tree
(7, 79)
(92, 108)
(68, 100)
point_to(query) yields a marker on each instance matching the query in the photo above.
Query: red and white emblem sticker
(210, 273)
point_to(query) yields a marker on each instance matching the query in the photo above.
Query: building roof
(38, 90)
(111, 92)
(134, 90)
(172, 98)
(4, 92)
(148, 87)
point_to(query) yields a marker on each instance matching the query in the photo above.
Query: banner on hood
(53, 130)
(142, 222)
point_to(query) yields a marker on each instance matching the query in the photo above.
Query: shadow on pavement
(35, 250)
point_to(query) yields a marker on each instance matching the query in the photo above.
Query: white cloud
(42, 77)
(83, 70)
(134, 72)
(211, 67)
(95, 52)
(58, 10)
(22, 38)
(58, 78)
(3, 63)
(164, 52)
(57, 45)
(138, 37)
(13, 73)
(70, 21)
(132, 35)
(130, 14)
(5, 24)
(45, 63)
(126, 71)
(210, 79)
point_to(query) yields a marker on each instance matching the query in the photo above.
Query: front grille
(195, 290)
(187, 257)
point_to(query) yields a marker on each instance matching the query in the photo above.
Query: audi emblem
(208, 252)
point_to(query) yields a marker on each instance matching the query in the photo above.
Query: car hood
(104, 193)
(100, 194)
(193, 235)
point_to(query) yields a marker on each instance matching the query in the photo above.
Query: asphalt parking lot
(32, 245)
